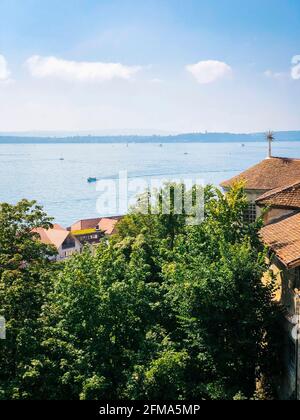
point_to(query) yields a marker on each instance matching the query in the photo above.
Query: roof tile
(55, 236)
(288, 196)
(108, 225)
(283, 237)
(271, 173)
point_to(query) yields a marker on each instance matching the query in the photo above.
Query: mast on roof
(270, 138)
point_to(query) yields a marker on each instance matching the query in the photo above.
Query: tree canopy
(163, 310)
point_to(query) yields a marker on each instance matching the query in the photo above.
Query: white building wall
(66, 253)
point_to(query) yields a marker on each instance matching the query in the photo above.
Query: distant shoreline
(282, 136)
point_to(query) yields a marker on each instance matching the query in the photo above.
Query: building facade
(273, 187)
(92, 231)
(65, 243)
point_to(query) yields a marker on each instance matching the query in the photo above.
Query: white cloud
(295, 71)
(156, 81)
(4, 70)
(52, 67)
(209, 71)
(275, 75)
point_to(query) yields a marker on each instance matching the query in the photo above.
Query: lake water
(35, 171)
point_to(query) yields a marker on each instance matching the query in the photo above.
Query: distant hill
(87, 133)
(179, 138)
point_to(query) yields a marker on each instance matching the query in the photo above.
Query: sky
(149, 65)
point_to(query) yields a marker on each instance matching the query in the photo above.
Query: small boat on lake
(91, 180)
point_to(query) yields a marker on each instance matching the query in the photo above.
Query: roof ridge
(281, 157)
(275, 191)
(268, 174)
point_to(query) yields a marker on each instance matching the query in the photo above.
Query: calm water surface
(36, 171)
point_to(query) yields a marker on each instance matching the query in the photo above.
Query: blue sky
(170, 65)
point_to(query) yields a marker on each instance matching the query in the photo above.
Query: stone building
(274, 185)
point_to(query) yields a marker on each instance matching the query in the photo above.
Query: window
(69, 253)
(68, 243)
(250, 213)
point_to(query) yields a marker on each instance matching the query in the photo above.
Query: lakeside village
(274, 184)
(84, 232)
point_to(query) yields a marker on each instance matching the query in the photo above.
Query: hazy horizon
(127, 133)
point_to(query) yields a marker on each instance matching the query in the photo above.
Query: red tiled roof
(271, 173)
(85, 224)
(288, 196)
(105, 224)
(108, 225)
(55, 236)
(283, 237)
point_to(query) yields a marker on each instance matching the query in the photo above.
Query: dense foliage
(162, 310)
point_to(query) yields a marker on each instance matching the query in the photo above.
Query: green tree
(225, 313)
(162, 310)
(24, 284)
(95, 324)
(214, 305)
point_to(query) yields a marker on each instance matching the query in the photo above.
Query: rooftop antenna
(270, 137)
